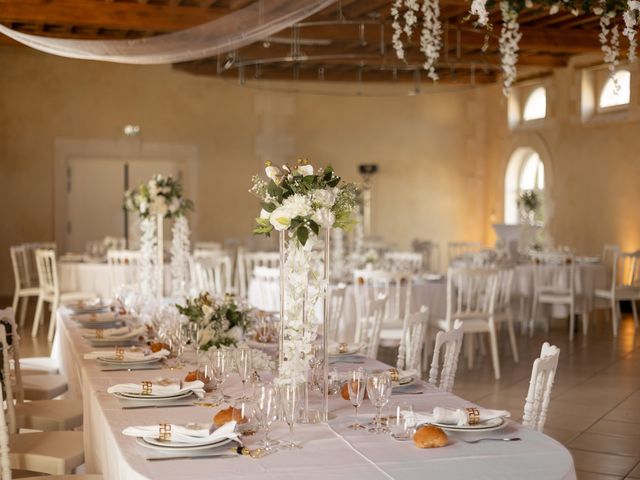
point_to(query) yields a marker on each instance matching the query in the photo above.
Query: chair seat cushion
(43, 387)
(37, 365)
(29, 292)
(554, 297)
(56, 453)
(49, 415)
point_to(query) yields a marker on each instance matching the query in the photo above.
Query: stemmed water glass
(221, 366)
(356, 385)
(245, 366)
(290, 396)
(266, 396)
(379, 390)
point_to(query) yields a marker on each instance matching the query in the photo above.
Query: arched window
(616, 90)
(525, 172)
(535, 107)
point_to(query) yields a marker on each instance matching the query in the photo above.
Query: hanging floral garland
(509, 44)
(630, 17)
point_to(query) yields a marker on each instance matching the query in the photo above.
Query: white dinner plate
(404, 381)
(79, 308)
(352, 349)
(493, 424)
(140, 396)
(114, 361)
(172, 447)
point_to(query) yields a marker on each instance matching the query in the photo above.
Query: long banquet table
(330, 451)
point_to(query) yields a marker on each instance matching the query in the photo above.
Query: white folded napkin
(161, 387)
(129, 356)
(190, 433)
(115, 333)
(459, 417)
(95, 317)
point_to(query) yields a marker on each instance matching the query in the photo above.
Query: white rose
(305, 170)
(324, 198)
(281, 218)
(324, 217)
(159, 206)
(272, 172)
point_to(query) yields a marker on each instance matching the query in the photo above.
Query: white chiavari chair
(123, 268)
(403, 261)
(397, 287)
(539, 394)
(247, 261)
(554, 278)
(456, 250)
(212, 274)
(503, 310)
(430, 252)
(266, 289)
(412, 344)
(337, 295)
(46, 452)
(46, 415)
(624, 285)
(452, 343)
(25, 285)
(49, 285)
(471, 298)
(368, 327)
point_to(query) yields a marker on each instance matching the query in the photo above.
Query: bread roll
(344, 391)
(428, 436)
(228, 414)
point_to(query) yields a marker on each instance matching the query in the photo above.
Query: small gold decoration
(165, 431)
(343, 347)
(147, 387)
(395, 375)
(473, 415)
(119, 353)
(100, 333)
(94, 316)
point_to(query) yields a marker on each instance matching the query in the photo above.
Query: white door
(95, 191)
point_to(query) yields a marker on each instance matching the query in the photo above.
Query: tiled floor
(596, 398)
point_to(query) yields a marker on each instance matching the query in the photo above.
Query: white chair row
(211, 272)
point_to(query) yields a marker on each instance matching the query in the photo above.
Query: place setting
(161, 392)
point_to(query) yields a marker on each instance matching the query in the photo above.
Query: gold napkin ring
(395, 375)
(100, 333)
(343, 347)
(119, 353)
(473, 415)
(147, 388)
(94, 316)
(165, 430)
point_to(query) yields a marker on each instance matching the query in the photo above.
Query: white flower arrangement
(509, 44)
(159, 196)
(431, 36)
(609, 38)
(630, 17)
(479, 10)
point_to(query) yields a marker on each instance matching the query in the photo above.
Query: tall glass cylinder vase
(304, 281)
(159, 256)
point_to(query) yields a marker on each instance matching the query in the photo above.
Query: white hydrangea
(324, 197)
(297, 205)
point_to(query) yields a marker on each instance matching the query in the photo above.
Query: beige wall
(430, 148)
(592, 168)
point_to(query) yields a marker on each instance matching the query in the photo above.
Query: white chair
(403, 261)
(503, 312)
(50, 292)
(430, 252)
(452, 343)
(471, 297)
(456, 250)
(247, 261)
(266, 289)
(369, 325)
(47, 452)
(554, 279)
(539, 394)
(212, 274)
(23, 286)
(337, 295)
(33, 386)
(412, 345)
(625, 285)
(207, 246)
(396, 286)
(123, 268)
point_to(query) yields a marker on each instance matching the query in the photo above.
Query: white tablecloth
(330, 451)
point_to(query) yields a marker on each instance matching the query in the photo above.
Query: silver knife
(196, 457)
(128, 369)
(135, 407)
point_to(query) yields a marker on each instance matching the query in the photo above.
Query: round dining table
(330, 450)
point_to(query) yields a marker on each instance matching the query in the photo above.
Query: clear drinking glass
(379, 392)
(290, 396)
(221, 366)
(356, 385)
(245, 367)
(266, 396)
(401, 420)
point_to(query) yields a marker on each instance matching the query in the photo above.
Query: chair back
(555, 272)
(430, 252)
(266, 289)
(403, 261)
(414, 333)
(47, 271)
(504, 289)
(452, 343)
(5, 461)
(337, 295)
(247, 261)
(396, 286)
(369, 327)
(8, 321)
(212, 274)
(20, 264)
(608, 257)
(456, 250)
(123, 267)
(539, 394)
(471, 294)
(6, 332)
(208, 246)
(625, 274)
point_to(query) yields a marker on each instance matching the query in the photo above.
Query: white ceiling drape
(237, 29)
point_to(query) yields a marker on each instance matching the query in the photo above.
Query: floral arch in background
(525, 173)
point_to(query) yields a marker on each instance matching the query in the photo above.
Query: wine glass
(379, 391)
(221, 366)
(401, 420)
(267, 409)
(244, 414)
(356, 385)
(291, 400)
(244, 364)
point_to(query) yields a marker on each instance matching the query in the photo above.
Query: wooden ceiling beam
(115, 15)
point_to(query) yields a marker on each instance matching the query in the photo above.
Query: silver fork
(508, 439)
